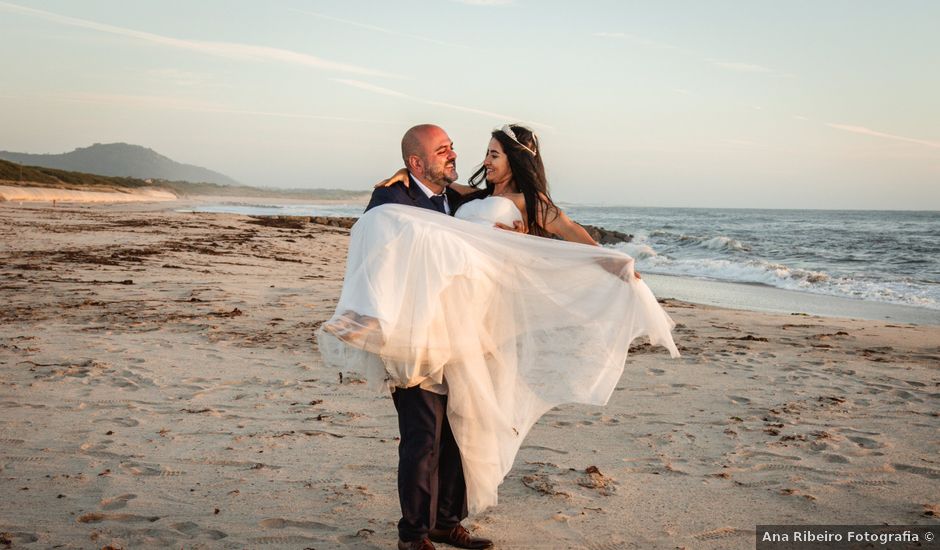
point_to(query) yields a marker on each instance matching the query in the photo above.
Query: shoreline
(762, 298)
(160, 386)
(754, 297)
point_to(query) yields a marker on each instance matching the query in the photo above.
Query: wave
(638, 251)
(719, 242)
(724, 243)
(251, 205)
(777, 275)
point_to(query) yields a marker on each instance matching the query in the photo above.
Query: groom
(431, 487)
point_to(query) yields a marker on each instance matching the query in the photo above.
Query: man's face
(440, 162)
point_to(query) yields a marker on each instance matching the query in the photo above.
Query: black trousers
(431, 487)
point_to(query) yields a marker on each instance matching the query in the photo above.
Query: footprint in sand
(607, 545)
(192, 531)
(323, 481)
(904, 396)
(867, 482)
(540, 448)
(723, 533)
(286, 540)
(96, 517)
(115, 503)
(281, 523)
(866, 443)
(148, 470)
(918, 470)
(13, 539)
(782, 468)
(834, 458)
(359, 540)
(562, 423)
(99, 449)
(33, 458)
(120, 421)
(760, 483)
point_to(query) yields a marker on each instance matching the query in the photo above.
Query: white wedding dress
(515, 324)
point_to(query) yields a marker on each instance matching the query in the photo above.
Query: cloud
(640, 40)
(746, 142)
(401, 95)
(869, 132)
(186, 104)
(378, 29)
(230, 50)
(180, 78)
(740, 67)
(736, 66)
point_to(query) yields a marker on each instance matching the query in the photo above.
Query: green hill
(18, 174)
(121, 160)
(12, 173)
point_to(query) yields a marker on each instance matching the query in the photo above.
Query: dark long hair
(528, 173)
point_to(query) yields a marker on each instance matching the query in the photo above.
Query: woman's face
(496, 164)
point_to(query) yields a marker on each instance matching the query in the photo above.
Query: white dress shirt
(424, 189)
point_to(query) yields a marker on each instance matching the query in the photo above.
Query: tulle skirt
(515, 324)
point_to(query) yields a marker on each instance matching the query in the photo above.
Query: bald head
(412, 143)
(429, 154)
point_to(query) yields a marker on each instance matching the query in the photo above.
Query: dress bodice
(489, 211)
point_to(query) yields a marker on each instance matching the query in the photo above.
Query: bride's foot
(357, 330)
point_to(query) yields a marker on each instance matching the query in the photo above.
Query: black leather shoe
(420, 544)
(459, 537)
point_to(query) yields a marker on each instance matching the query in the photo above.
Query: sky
(735, 104)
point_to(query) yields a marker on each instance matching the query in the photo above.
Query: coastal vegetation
(15, 174)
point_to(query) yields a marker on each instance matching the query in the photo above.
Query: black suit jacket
(411, 196)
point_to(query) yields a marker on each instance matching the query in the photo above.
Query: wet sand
(160, 386)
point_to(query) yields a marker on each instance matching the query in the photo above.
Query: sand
(49, 194)
(160, 387)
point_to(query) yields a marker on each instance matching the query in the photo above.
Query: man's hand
(517, 226)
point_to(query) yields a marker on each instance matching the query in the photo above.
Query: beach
(160, 386)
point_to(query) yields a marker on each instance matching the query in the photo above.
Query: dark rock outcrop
(334, 221)
(607, 236)
(599, 234)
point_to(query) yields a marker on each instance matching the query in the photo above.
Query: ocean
(886, 257)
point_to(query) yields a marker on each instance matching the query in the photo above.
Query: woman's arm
(402, 176)
(554, 220)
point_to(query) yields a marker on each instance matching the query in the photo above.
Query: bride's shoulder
(518, 199)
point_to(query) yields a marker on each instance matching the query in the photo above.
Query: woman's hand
(517, 226)
(622, 268)
(400, 176)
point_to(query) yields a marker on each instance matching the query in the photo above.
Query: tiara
(507, 129)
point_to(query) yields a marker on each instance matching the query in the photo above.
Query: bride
(513, 324)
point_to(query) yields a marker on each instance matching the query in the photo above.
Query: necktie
(438, 201)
